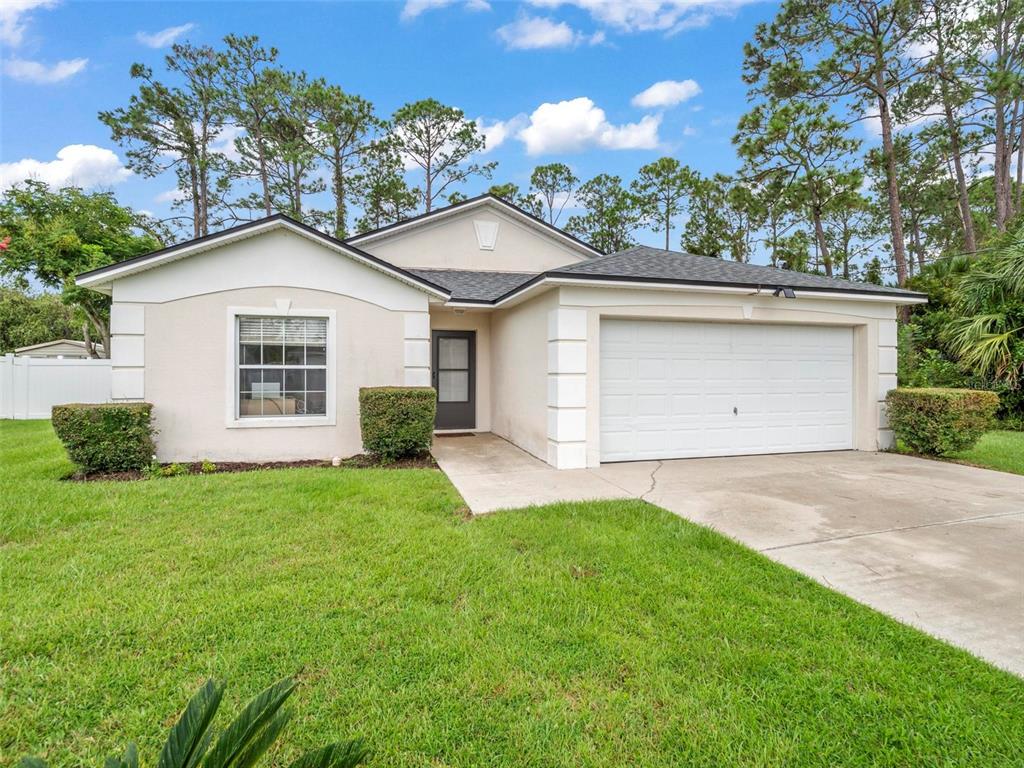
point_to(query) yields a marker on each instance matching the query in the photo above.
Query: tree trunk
(1003, 132)
(918, 248)
(102, 330)
(90, 348)
(899, 249)
(193, 178)
(428, 186)
(339, 197)
(1019, 201)
(668, 228)
(819, 234)
(1001, 166)
(963, 196)
(261, 155)
(846, 250)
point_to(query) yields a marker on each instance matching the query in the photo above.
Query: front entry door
(454, 375)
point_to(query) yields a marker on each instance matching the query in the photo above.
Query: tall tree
(290, 155)
(55, 236)
(553, 184)
(169, 127)
(610, 214)
(804, 143)
(743, 213)
(380, 190)
(252, 90)
(851, 232)
(779, 208)
(33, 318)
(707, 231)
(344, 126)
(441, 142)
(941, 86)
(995, 59)
(852, 50)
(661, 189)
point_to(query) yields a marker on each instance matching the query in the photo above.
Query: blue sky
(549, 81)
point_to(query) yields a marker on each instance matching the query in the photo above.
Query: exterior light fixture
(784, 291)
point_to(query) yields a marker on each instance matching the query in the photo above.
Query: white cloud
(574, 125)
(37, 72)
(164, 37)
(82, 165)
(414, 8)
(497, 132)
(689, 130)
(667, 16)
(666, 93)
(169, 196)
(225, 142)
(532, 32)
(873, 123)
(14, 18)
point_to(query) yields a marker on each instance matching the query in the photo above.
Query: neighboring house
(65, 349)
(252, 343)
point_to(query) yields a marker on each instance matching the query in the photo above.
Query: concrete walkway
(493, 474)
(936, 545)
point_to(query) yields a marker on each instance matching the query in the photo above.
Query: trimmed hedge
(108, 437)
(939, 422)
(397, 422)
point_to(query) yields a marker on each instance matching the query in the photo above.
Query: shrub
(397, 422)
(207, 467)
(939, 422)
(191, 742)
(112, 437)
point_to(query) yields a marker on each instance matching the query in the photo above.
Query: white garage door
(682, 389)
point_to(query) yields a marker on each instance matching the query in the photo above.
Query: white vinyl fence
(31, 386)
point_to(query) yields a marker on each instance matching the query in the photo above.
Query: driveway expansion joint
(939, 524)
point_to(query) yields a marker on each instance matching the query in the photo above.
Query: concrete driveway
(936, 545)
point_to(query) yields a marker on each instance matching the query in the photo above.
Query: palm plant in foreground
(240, 745)
(988, 338)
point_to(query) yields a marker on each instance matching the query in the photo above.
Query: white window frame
(232, 418)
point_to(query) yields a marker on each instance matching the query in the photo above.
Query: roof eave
(101, 280)
(557, 279)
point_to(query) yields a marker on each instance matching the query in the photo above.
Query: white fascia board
(102, 282)
(524, 292)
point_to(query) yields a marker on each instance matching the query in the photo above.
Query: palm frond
(237, 737)
(261, 742)
(190, 736)
(340, 755)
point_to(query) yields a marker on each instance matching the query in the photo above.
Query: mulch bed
(361, 461)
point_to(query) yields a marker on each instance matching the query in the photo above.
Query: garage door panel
(668, 389)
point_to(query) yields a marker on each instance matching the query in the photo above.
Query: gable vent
(486, 234)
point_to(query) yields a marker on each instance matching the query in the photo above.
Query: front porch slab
(493, 474)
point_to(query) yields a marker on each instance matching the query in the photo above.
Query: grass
(997, 450)
(597, 634)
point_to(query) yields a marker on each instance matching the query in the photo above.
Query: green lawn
(599, 634)
(997, 450)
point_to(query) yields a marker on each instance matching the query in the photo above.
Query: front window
(282, 366)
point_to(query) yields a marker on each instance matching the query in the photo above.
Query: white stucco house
(252, 343)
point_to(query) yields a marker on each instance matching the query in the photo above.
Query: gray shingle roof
(654, 264)
(467, 285)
